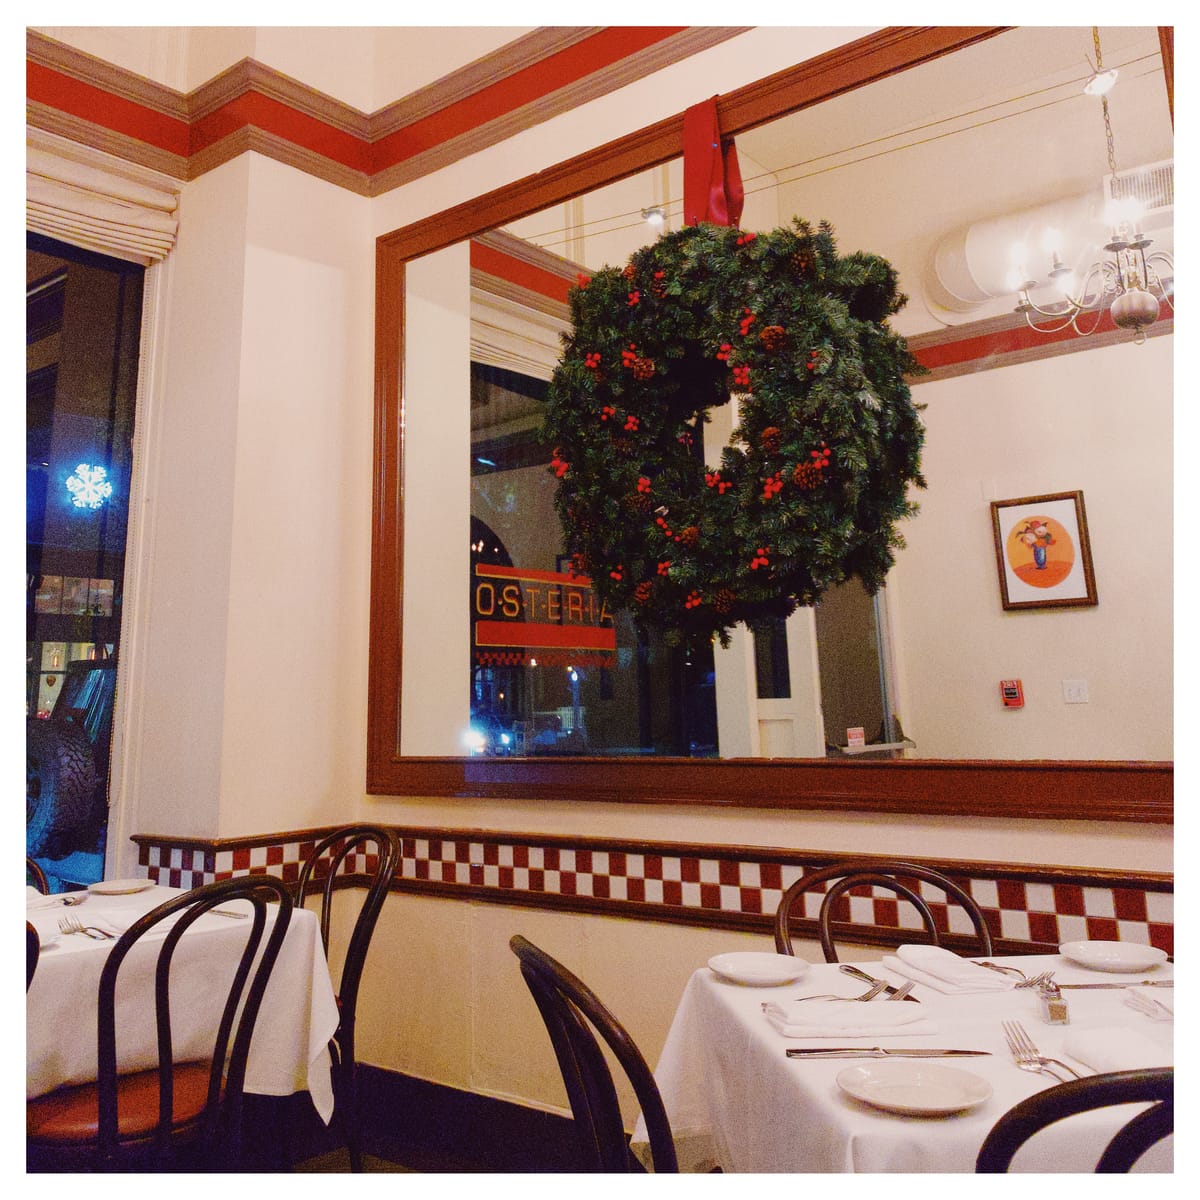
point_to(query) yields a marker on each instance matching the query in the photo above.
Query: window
(83, 315)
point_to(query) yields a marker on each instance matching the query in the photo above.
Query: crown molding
(252, 107)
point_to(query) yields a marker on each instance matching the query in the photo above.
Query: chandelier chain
(1108, 133)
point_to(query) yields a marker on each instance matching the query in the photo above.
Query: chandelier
(1131, 285)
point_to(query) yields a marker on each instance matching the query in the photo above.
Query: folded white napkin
(944, 971)
(846, 1018)
(1115, 1048)
(35, 900)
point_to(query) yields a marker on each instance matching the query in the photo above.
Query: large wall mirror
(940, 150)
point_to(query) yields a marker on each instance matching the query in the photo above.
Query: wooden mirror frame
(1060, 790)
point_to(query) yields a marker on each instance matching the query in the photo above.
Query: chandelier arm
(1098, 316)
(1067, 322)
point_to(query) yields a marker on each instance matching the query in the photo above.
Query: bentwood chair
(573, 1015)
(36, 876)
(901, 878)
(149, 1116)
(33, 951)
(1132, 1140)
(381, 849)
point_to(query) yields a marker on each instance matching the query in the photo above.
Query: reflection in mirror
(945, 170)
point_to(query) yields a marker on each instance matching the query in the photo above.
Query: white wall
(1101, 422)
(250, 693)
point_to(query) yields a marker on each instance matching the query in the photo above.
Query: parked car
(66, 757)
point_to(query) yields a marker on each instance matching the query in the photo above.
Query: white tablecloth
(736, 1101)
(290, 1049)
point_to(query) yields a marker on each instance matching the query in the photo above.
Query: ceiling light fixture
(1131, 285)
(655, 217)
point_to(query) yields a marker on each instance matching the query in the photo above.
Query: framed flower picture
(1042, 551)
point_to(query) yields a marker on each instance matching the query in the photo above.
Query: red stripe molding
(525, 86)
(523, 274)
(100, 107)
(255, 111)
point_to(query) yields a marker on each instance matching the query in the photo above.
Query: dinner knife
(877, 1052)
(1138, 983)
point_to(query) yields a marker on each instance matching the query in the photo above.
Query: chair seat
(71, 1114)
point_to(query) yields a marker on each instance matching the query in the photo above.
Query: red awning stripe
(520, 633)
(487, 571)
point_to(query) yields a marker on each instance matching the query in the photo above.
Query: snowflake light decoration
(89, 486)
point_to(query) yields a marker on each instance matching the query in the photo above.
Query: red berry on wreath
(643, 484)
(618, 572)
(664, 567)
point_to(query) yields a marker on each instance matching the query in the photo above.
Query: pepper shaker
(1054, 1006)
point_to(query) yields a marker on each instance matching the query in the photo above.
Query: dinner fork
(1026, 1055)
(1027, 981)
(874, 990)
(71, 925)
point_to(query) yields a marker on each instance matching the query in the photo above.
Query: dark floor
(408, 1125)
(404, 1125)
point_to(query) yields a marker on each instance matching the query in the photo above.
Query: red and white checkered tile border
(1023, 905)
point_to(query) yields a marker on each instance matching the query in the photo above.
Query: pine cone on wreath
(689, 537)
(724, 600)
(771, 438)
(772, 337)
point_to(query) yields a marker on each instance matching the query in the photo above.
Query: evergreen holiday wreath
(814, 478)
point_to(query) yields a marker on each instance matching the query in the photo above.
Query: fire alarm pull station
(1011, 693)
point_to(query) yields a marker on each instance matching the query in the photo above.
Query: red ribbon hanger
(712, 181)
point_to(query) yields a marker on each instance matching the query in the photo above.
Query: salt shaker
(1054, 1006)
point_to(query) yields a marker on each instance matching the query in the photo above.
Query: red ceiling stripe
(272, 116)
(91, 103)
(991, 345)
(524, 86)
(516, 270)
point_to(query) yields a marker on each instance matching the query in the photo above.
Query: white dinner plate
(1113, 956)
(757, 968)
(120, 887)
(915, 1089)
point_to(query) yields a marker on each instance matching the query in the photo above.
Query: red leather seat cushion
(71, 1114)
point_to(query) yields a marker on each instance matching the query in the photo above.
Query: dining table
(289, 1051)
(736, 1100)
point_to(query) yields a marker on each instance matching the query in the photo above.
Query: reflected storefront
(553, 671)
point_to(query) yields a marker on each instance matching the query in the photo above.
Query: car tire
(60, 782)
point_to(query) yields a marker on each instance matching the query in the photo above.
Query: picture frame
(1043, 554)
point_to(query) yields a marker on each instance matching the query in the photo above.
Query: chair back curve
(322, 869)
(901, 878)
(35, 876)
(573, 1015)
(33, 951)
(1044, 1108)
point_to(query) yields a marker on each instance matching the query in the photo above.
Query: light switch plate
(1075, 691)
